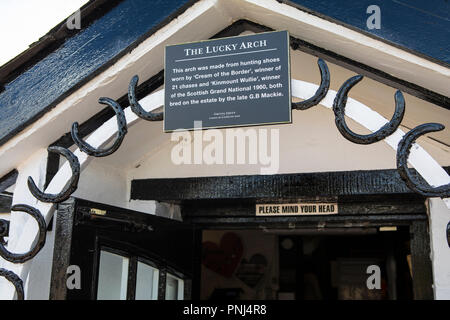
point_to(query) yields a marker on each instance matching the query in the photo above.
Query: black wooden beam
(8, 180)
(420, 261)
(348, 206)
(281, 186)
(293, 223)
(5, 203)
(62, 249)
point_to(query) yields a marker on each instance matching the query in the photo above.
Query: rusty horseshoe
(339, 111)
(23, 257)
(321, 91)
(403, 150)
(15, 280)
(67, 190)
(122, 131)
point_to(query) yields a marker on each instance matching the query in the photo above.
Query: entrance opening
(308, 264)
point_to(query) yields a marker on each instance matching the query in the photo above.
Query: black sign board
(236, 81)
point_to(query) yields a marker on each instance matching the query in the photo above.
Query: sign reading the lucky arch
(236, 81)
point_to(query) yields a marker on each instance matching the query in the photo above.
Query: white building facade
(138, 224)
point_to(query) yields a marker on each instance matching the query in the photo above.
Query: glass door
(127, 255)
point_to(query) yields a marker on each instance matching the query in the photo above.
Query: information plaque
(236, 81)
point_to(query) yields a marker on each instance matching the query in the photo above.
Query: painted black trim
(82, 234)
(5, 202)
(281, 186)
(62, 248)
(8, 180)
(421, 261)
(67, 190)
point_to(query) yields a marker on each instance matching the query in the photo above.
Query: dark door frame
(84, 228)
(370, 198)
(366, 199)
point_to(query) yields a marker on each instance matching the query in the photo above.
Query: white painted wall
(440, 251)
(310, 144)
(102, 183)
(19, 237)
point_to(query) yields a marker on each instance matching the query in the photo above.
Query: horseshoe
(339, 111)
(15, 280)
(403, 150)
(136, 107)
(23, 257)
(321, 91)
(122, 131)
(66, 191)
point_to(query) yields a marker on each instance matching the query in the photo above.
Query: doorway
(331, 264)
(247, 258)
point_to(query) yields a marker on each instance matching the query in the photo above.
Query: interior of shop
(328, 264)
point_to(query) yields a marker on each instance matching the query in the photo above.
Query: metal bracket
(321, 91)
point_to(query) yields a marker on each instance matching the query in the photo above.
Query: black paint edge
(422, 270)
(62, 249)
(323, 184)
(8, 180)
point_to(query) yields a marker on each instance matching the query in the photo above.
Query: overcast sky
(23, 22)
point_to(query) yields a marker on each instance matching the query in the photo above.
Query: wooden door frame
(78, 239)
(368, 198)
